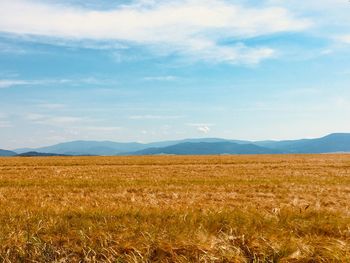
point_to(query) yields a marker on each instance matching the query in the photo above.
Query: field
(287, 208)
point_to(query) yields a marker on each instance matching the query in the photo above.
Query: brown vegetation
(175, 209)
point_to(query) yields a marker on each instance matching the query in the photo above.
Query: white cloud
(203, 129)
(330, 17)
(187, 27)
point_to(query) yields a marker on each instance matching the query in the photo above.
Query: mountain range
(333, 143)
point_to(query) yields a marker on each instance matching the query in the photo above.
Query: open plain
(268, 208)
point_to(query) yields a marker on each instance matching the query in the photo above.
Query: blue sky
(149, 70)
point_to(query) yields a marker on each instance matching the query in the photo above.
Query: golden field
(283, 208)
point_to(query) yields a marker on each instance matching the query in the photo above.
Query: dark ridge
(205, 148)
(38, 154)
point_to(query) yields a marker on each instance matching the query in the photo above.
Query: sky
(150, 70)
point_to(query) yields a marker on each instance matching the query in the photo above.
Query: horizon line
(183, 139)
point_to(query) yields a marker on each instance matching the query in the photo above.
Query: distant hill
(109, 148)
(7, 153)
(208, 140)
(207, 148)
(337, 142)
(87, 148)
(37, 154)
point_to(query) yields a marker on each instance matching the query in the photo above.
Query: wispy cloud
(161, 78)
(12, 49)
(102, 128)
(341, 103)
(155, 117)
(345, 39)
(199, 124)
(60, 42)
(60, 128)
(329, 17)
(190, 27)
(53, 120)
(34, 116)
(51, 106)
(61, 120)
(7, 83)
(83, 124)
(5, 124)
(324, 13)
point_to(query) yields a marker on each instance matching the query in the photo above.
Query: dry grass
(175, 209)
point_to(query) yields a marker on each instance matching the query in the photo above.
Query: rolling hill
(333, 143)
(109, 147)
(86, 148)
(37, 154)
(336, 142)
(206, 148)
(7, 153)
